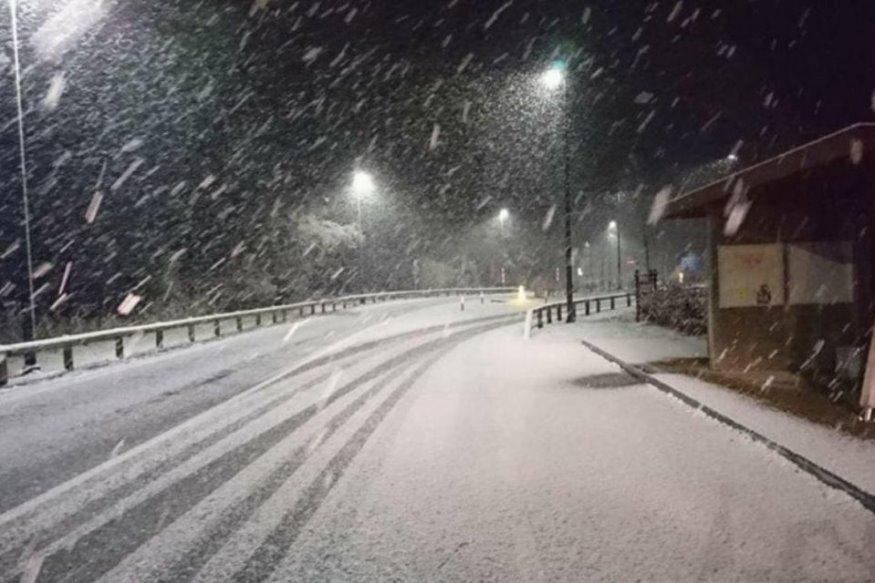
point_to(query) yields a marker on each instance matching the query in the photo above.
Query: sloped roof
(820, 152)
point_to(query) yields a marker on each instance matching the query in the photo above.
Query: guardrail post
(333, 306)
(273, 318)
(540, 318)
(239, 323)
(312, 309)
(586, 307)
(628, 300)
(598, 305)
(549, 315)
(613, 304)
(159, 338)
(120, 347)
(217, 328)
(322, 305)
(558, 313)
(68, 358)
(4, 369)
(257, 320)
(343, 305)
(191, 332)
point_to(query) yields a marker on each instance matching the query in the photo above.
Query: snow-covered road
(405, 441)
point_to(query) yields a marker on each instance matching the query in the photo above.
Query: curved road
(404, 441)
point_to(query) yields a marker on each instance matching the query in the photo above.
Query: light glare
(362, 183)
(552, 78)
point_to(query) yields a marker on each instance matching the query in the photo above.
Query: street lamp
(503, 215)
(554, 79)
(613, 231)
(588, 268)
(362, 186)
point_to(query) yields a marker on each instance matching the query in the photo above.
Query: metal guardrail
(275, 315)
(583, 307)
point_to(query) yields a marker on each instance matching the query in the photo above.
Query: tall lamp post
(29, 325)
(613, 231)
(554, 79)
(362, 187)
(503, 215)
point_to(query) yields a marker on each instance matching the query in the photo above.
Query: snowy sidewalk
(636, 343)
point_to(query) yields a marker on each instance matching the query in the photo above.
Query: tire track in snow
(122, 534)
(181, 564)
(174, 447)
(268, 555)
(87, 557)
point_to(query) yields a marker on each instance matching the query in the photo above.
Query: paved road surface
(405, 441)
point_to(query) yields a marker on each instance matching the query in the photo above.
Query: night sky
(212, 129)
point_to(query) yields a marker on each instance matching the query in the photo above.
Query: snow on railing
(536, 316)
(276, 314)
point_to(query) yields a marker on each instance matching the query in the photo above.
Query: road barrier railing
(537, 317)
(218, 325)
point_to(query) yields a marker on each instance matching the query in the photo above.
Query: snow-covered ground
(636, 343)
(619, 335)
(439, 446)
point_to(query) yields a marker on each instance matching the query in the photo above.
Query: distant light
(612, 225)
(579, 272)
(521, 293)
(732, 158)
(680, 277)
(362, 183)
(503, 214)
(554, 76)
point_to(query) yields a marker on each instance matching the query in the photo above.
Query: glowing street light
(362, 183)
(362, 187)
(503, 215)
(554, 79)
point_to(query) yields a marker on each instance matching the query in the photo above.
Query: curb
(825, 476)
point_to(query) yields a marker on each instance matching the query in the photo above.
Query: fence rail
(583, 307)
(269, 315)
